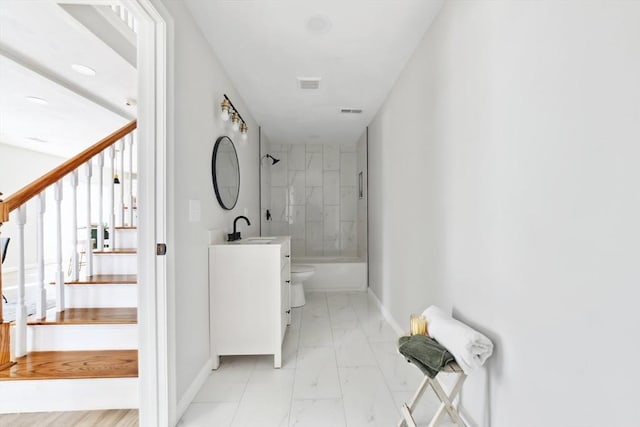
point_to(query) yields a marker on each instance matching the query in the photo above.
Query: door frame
(156, 355)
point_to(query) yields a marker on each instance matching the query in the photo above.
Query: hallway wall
(200, 82)
(504, 186)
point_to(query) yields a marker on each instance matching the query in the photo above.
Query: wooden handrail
(23, 195)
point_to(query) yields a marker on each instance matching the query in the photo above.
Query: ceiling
(356, 47)
(39, 41)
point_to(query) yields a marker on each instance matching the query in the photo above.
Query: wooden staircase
(84, 356)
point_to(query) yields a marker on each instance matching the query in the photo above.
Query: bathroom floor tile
(343, 317)
(217, 390)
(316, 332)
(367, 400)
(317, 413)
(340, 368)
(399, 374)
(352, 348)
(219, 414)
(317, 374)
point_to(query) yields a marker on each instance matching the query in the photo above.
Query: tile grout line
(244, 390)
(335, 355)
(295, 370)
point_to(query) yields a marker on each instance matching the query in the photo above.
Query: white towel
(469, 347)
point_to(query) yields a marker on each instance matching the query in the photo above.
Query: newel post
(5, 337)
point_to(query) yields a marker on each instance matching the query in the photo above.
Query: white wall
(200, 82)
(504, 185)
(19, 168)
(265, 185)
(361, 208)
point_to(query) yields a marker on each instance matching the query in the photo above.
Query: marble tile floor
(340, 369)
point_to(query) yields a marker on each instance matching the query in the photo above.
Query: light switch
(194, 211)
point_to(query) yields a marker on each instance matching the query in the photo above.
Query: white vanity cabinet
(249, 292)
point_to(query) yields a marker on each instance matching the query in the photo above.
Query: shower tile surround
(314, 197)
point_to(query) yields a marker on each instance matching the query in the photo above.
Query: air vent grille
(309, 82)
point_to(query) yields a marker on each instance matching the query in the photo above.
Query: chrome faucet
(236, 234)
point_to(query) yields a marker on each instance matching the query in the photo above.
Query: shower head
(273, 159)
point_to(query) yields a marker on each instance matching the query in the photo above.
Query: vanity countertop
(258, 240)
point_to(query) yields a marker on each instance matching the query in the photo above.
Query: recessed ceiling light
(36, 100)
(34, 139)
(83, 69)
(319, 24)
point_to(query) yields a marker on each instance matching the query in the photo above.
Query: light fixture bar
(234, 108)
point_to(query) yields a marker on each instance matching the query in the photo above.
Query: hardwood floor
(87, 316)
(106, 279)
(131, 251)
(110, 418)
(45, 365)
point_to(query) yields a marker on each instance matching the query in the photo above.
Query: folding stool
(446, 400)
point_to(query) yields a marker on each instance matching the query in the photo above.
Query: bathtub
(335, 274)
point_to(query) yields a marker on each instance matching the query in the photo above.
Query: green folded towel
(425, 352)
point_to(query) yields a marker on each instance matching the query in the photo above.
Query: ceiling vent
(351, 110)
(309, 82)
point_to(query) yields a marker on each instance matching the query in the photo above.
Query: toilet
(299, 274)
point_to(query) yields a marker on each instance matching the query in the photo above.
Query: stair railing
(15, 206)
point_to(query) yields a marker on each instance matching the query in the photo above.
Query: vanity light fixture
(228, 110)
(235, 121)
(225, 106)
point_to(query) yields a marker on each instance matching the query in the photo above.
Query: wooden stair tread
(128, 251)
(50, 365)
(106, 279)
(88, 316)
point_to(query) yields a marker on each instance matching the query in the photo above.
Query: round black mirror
(225, 172)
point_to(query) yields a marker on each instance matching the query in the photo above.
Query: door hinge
(161, 249)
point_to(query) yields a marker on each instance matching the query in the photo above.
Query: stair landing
(87, 316)
(49, 365)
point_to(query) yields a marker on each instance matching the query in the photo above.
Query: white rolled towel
(469, 347)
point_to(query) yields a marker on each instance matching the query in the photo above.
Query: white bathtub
(335, 274)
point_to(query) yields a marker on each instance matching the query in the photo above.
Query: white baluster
(75, 262)
(89, 247)
(20, 346)
(41, 302)
(122, 186)
(100, 235)
(130, 20)
(130, 179)
(112, 198)
(59, 270)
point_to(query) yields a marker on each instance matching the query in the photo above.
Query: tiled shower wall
(314, 198)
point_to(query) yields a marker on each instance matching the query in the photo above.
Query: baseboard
(387, 314)
(193, 389)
